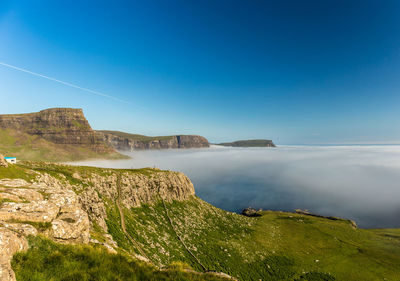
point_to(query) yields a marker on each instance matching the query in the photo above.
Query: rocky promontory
(64, 134)
(55, 134)
(57, 125)
(130, 142)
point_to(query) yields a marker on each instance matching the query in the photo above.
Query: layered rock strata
(133, 190)
(67, 212)
(32, 208)
(64, 126)
(124, 141)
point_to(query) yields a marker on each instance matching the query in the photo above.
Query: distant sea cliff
(130, 142)
(64, 134)
(55, 134)
(249, 143)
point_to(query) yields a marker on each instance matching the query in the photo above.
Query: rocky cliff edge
(68, 204)
(64, 126)
(131, 142)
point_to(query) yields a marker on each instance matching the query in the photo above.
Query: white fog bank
(356, 182)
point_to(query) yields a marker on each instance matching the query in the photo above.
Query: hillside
(57, 134)
(151, 223)
(249, 143)
(126, 141)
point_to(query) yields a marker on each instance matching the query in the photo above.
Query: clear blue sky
(294, 71)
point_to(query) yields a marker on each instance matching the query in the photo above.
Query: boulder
(58, 210)
(45, 207)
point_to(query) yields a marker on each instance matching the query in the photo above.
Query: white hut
(11, 160)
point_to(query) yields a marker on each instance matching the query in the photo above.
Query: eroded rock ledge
(32, 208)
(132, 189)
(68, 211)
(131, 142)
(63, 126)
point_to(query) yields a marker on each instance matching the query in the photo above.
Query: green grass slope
(275, 246)
(46, 260)
(32, 147)
(136, 136)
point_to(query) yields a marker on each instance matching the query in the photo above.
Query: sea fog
(356, 182)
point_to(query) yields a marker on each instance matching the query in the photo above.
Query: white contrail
(64, 83)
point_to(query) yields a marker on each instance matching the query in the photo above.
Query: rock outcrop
(3, 163)
(32, 208)
(125, 141)
(57, 211)
(68, 211)
(10, 242)
(250, 212)
(64, 126)
(133, 190)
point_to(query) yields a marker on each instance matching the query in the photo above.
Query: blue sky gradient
(293, 71)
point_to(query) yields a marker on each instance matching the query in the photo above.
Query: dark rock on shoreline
(250, 212)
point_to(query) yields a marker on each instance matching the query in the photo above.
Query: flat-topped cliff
(57, 134)
(64, 134)
(126, 141)
(57, 125)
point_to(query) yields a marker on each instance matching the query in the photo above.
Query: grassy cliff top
(32, 147)
(275, 246)
(136, 136)
(65, 110)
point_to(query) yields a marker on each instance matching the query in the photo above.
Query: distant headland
(64, 134)
(249, 143)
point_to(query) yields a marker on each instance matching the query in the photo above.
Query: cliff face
(71, 203)
(132, 190)
(124, 141)
(189, 141)
(66, 126)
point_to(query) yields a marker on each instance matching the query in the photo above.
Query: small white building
(11, 160)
